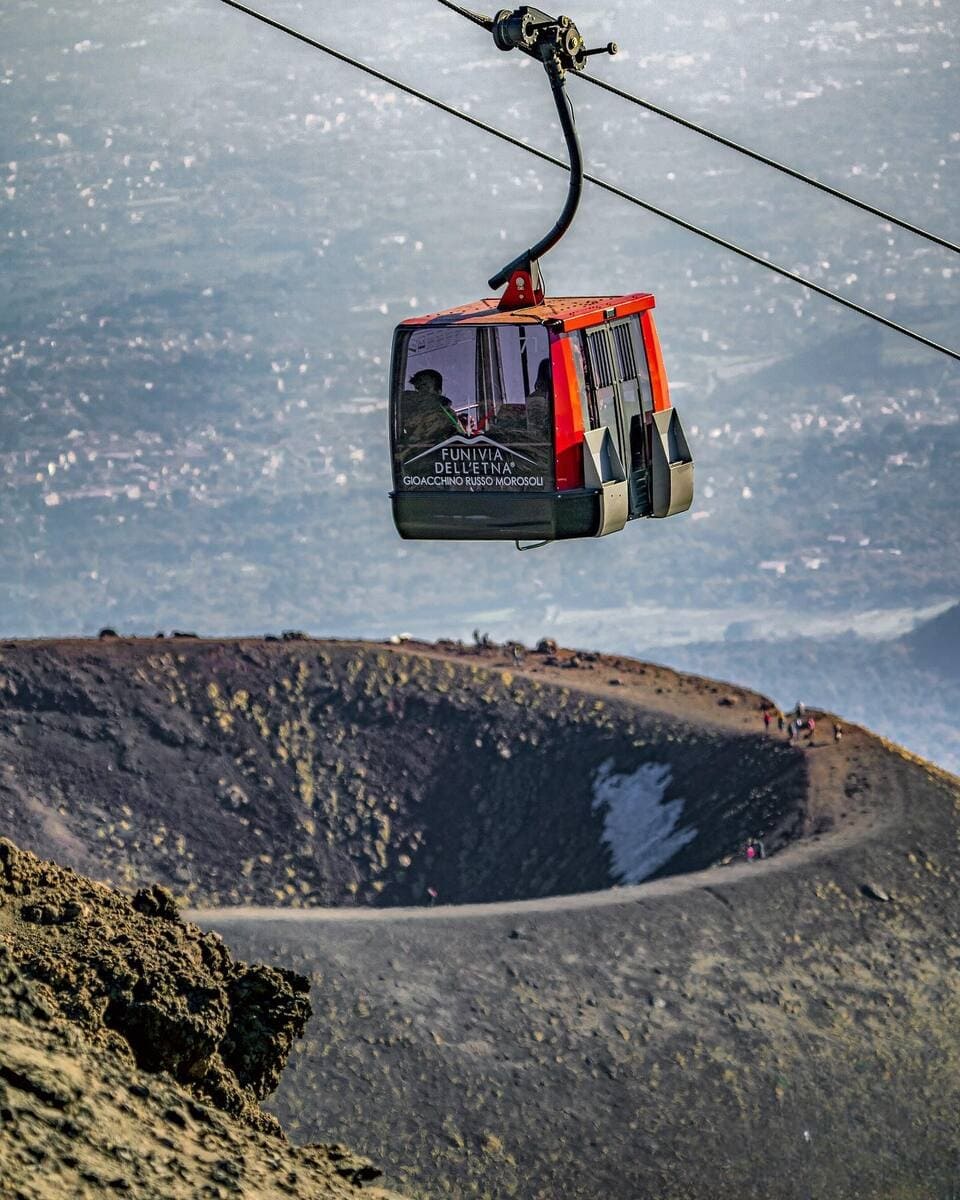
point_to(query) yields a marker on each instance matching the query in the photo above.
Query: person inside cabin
(526, 425)
(427, 415)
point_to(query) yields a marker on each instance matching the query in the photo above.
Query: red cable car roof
(565, 312)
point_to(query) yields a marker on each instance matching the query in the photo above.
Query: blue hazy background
(208, 232)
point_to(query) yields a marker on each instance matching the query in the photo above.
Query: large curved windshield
(473, 407)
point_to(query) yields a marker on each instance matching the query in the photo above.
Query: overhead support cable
(777, 166)
(730, 144)
(601, 183)
(476, 18)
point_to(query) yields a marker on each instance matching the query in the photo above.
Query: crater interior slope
(322, 773)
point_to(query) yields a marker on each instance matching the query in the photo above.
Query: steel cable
(601, 183)
(756, 155)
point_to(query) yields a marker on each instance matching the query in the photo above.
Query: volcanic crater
(773, 1029)
(306, 773)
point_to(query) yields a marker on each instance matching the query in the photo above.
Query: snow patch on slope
(638, 826)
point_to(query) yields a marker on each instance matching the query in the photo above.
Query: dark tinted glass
(473, 408)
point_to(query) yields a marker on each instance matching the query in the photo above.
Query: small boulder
(40, 914)
(72, 910)
(873, 891)
(352, 1167)
(156, 901)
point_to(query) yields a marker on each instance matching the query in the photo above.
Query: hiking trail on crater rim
(774, 1029)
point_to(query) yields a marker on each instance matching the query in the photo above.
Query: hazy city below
(208, 232)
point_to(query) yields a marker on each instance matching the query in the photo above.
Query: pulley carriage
(535, 419)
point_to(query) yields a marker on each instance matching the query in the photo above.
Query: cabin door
(618, 372)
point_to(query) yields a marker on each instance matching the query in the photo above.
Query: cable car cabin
(534, 424)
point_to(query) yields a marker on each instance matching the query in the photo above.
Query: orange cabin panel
(658, 373)
(567, 416)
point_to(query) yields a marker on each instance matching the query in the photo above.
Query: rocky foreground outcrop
(134, 1051)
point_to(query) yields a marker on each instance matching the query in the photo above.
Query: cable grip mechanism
(557, 43)
(542, 36)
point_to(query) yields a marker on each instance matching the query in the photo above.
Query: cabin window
(602, 370)
(588, 405)
(643, 371)
(624, 344)
(625, 339)
(600, 359)
(473, 408)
